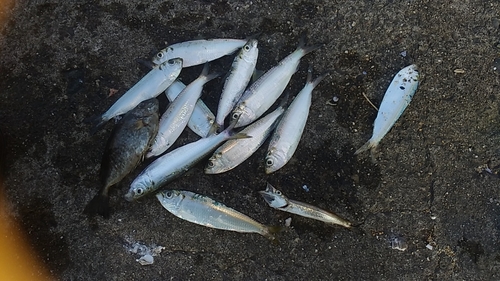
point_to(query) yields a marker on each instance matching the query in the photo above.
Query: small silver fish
(277, 200)
(173, 164)
(242, 70)
(234, 152)
(197, 52)
(205, 211)
(286, 137)
(396, 99)
(259, 97)
(178, 114)
(125, 149)
(150, 86)
(202, 119)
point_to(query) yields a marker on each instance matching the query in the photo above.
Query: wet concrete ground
(60, 60)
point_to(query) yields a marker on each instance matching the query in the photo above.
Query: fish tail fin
(368, 145)
(307, 49)
(318, 79)
(271, 233)
(211, 76)
(97, 123)
(98, 205)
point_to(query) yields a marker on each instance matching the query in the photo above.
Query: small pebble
(146, 259)
(399, 243)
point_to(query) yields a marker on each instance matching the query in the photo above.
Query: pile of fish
(141, 133)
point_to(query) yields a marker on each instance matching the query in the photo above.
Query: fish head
(172, 68)
(138, 188)
(170, 200)
(162, 56)
(275, 159)
(250, 50)
(242, 115)
(274, 197)
(215, 165)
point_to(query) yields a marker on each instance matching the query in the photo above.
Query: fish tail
(97, 124)
(368, 145)
(208, 77)
(271, 233)
(357, 229)
(307, 49)
(319, 78)
(98, 205)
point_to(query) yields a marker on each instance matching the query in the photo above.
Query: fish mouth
(268, 197)
(129, 197)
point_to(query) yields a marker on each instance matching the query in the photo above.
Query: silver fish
(178, 113)
(286, 137)
(202, 119)
(242, 70)
(234, 152)
(205, 211)
(150, 86)
(125, 148)
(176, 162)
(259, 97)
(197, 52)
(396, 99)
(277, 200)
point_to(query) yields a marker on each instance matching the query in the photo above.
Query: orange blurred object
(17, 260)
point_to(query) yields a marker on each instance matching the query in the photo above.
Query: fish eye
(171, 62)
(159, 55)
(210, 164)
(269, 162)
(278, 192)
(169, 194)
(236, 115)
(139, 191)
(247, 47)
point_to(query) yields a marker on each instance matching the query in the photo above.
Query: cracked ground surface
(62, 62)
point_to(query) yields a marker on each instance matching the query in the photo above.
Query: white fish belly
(202, 117)
(396, 99)
(200, 51)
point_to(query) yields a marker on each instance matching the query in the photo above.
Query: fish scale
(197, 52)
(178, 113)
(397, 97)
(125, 148)
(288, 133)
(277, 200)
(205, 211)
(150, 86)
(261, 95)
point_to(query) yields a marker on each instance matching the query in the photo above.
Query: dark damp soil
(426, 187)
